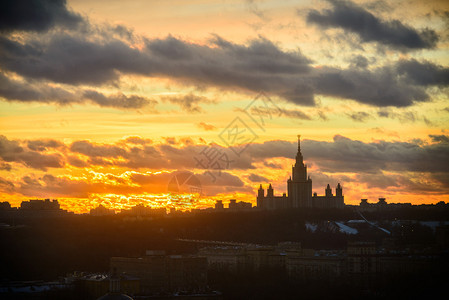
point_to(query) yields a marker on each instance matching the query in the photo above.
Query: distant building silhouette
(41, 208)
(37, 204)
(5, 206)
(299, 187)
(382, 204)
(241, 205)
(233, 206)
(100, 210)
(141, 210)
(219, 205)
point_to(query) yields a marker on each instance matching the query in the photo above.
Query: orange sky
(106, 101)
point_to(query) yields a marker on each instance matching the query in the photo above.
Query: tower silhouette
(299, 185)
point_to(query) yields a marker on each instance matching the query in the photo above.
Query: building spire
(299, 158)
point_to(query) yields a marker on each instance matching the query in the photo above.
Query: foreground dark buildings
(244, 255)
(360, 260)
(288, 247)
(160, 273)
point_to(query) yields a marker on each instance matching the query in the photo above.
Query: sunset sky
(106, 101)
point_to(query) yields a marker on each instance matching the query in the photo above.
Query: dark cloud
(346, 155)
(359, 116)
(222, 183)
(170, 48)
(22, 91)
(411, 183)
(253, 58)
(119, 100)
(402, 116)
(423, 73)
(272, 165)
(6, 186)
(370, 28)
(100, 55)
(12, 151)
(295, 114)
(97, 150)
(442, 177)
(269, 112)
(321, 180)
(43, 145)
(71, 59)
(145, 156)
(36, 15)
(224, 179)
(271, 149)
(258, 66)
(257, 178)
(76, 162)
(359, 61)
(416, 166)
(380, 180)
(380, 87)
(169, 155)
(189, 103)
(440, 138)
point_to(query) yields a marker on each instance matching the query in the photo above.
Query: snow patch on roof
(346, 229)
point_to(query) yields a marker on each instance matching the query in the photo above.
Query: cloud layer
(36, 15)
(406, 165)
(341, 155)
(99, 56)
(355, 19)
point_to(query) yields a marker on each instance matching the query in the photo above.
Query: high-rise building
(299, 188)
(299, 185)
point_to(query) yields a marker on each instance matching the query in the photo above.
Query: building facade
(249, 257)
(299, 189)
(158, 272)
